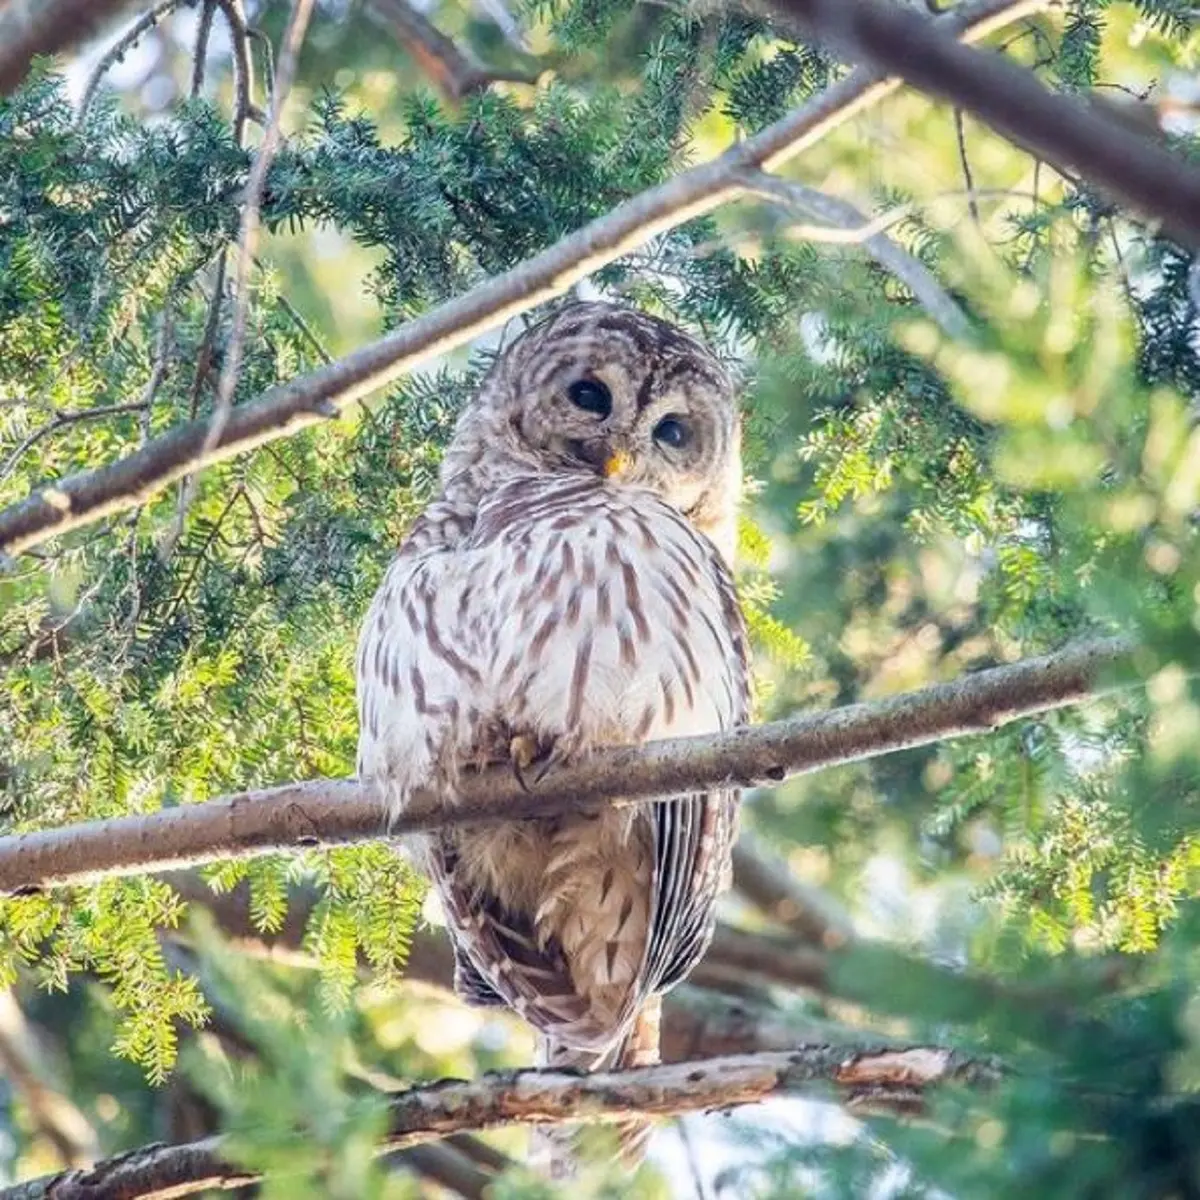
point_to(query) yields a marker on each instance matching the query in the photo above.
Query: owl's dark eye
(673, 432)
(592, 396)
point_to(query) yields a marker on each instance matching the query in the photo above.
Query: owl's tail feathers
(554, 1149)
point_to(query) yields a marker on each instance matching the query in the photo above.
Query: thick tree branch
(321, 394)
(896, 1077)
(32, 27)
(1059, 129)
(337, 812)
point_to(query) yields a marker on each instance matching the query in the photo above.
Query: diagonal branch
(1058, 128)
(453, 69)
(330, 812)
(888, 1077)
(321, 394)
(32, 27)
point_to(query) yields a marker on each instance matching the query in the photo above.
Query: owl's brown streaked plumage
(569, 588)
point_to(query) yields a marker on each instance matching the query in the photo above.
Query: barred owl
(569, 588)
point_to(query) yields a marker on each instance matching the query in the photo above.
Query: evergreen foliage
(917, 508)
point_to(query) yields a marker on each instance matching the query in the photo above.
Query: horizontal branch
(1061, 129)
(896, 1076)
(320, 395)
(329, 812)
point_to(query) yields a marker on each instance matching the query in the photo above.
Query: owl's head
(607, 391)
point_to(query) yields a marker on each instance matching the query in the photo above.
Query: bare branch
(32, 27)
(320, 395)
(119, 48)
(1062, 130)
(880, 1076)
(293, 38)
(452, 69)
(337, 812)
(911, 272)
(700, 1020)
(54, 1113)
(776, 892)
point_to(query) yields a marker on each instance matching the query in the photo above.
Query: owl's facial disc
(621, 429)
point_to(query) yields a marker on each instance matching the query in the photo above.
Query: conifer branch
(893, 1078)
(322, 393)
(331, 812)
(1060, 129)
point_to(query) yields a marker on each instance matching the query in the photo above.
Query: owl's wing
(694, 834)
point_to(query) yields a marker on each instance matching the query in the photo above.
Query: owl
(569, 588)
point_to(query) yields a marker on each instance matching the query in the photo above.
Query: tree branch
(890, 255)
(772, 888)
(700, 1019)
(337, 812)
(879, 1076)
(53, 1112)
(1059, 129)
(321, 394)
(452, 69)
(32, 27)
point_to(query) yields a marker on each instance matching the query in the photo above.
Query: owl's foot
(533, 759)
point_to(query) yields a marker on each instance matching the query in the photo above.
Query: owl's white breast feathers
(582, 614)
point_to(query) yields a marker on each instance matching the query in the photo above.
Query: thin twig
(60, 421)
(231, 369)
(200, 53)
(118, 50)
(965, 162)
(338, 812)
(322, 393)
(911, 272)
(243, 67)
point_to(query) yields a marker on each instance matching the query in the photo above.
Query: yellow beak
(617, 463)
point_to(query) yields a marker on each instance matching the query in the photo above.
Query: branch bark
(32, 27)
(337, 812)
(1060, 129)
(321, 394)
(896, 1076)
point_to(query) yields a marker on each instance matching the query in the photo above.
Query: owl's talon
(531, 762)
(523, 751)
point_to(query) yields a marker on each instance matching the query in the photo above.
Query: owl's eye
(592, 396)
(673, 432)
